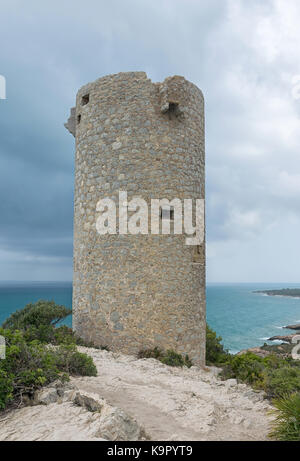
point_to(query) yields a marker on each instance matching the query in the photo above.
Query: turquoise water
(243, 318)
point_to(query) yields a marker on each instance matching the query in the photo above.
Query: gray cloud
(243, 56)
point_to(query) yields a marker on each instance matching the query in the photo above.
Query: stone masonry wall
(138, 291)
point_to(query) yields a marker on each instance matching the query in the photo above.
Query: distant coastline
(285, 340)
(290, 292)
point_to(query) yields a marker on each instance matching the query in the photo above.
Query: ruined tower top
(172, 93)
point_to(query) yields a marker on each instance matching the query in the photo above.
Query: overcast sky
(242, 54)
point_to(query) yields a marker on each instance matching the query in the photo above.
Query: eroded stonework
(138, 291)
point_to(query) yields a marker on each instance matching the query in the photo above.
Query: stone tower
(132, 292)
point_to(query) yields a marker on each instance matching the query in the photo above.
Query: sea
(241, 317)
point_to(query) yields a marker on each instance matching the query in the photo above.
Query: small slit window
(85, 99)
(173, 110)
(197, 254)
(78, 119)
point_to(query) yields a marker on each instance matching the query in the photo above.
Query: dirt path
(178, 404)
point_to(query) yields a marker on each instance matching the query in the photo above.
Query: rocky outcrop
(62, 412)
(289, 292)
(286, 338)
(56, 392)
(255, 350)
(87, 401)
(293, 327)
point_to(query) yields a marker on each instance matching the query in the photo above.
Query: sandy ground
(168, 403)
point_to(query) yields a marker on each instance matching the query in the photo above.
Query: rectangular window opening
(173, 110)
(85, 99)
(78, 119)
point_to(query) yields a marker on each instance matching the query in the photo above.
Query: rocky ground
(133, 399)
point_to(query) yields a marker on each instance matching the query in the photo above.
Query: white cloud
(253, 158)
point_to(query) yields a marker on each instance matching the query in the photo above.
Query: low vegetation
(168, 357)
(39, 322)
(38, 353)
(215, 352)
(42, 313)
(278, 375)
(287, 423)
(272, 374)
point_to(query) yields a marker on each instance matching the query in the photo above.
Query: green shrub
(38, 353)
(215, 352)
(282, 381)
(49, 334)
(169, 357)
(27, 366)
(286, 426)
(38, 322)
(43, 334)
(65, 335)
(248, 368)
(150, 353)
(31, 365)
(75, 363)
(6, 389)
(41, 314)
(273, 374)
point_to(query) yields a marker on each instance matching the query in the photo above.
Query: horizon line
(207, 283)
